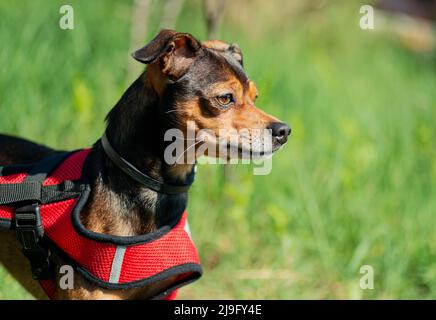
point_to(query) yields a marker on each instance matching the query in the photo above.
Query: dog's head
(205, 84)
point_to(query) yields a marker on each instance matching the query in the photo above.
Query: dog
(184, 80)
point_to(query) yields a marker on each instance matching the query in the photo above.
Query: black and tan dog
(185, 81)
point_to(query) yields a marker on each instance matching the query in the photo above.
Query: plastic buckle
(30, 232)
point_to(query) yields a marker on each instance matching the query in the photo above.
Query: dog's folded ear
(174, 51)
(222, 47)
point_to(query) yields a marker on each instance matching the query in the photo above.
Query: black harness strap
(18, 192)
(33, 191)
(66, 190)
(28, 224)
(30, 232)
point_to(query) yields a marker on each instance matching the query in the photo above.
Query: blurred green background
(354, 186)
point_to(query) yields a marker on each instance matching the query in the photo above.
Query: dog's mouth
(237, 149)
(253, 153)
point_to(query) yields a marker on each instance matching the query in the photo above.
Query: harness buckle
(30, 232)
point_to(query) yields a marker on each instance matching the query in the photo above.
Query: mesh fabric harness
(107, 261)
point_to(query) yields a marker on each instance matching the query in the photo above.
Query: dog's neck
(135, 129)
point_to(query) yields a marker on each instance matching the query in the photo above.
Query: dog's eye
(225, 100)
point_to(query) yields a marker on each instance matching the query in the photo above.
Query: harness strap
(30, 232)
(34, 191)
(31, 189)
(17, 192)
(28, 224)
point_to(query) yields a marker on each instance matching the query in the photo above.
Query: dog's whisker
(187, 149)
(175, 110)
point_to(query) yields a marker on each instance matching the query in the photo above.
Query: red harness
(107, 261)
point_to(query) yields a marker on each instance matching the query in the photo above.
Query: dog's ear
(174, 52)
(222, 47)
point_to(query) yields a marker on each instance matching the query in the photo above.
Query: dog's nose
(280, 131)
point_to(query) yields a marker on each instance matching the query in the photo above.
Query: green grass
(354, 186)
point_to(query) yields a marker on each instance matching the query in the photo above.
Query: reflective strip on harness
(117, 263)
